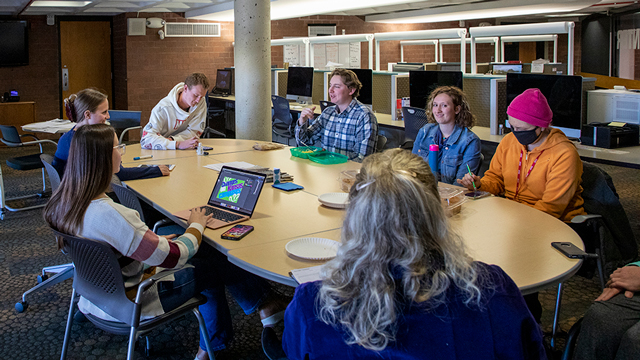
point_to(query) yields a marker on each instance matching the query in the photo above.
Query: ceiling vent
(192, 29)
(136, 26)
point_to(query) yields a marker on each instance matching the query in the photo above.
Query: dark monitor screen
(223, 82)
(422, 83)
(300, 81)
(366, 78)
(563, 93)
(14, 43)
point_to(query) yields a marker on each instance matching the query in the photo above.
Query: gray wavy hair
(395, 241)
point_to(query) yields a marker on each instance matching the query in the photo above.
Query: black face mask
(526, 137)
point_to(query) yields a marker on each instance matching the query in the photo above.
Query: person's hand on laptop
(198, 216)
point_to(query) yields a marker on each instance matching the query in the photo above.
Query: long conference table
(496, 231)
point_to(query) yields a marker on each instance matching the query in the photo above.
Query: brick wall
(37, 81)
(154, 66)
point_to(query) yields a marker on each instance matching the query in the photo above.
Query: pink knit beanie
(531, 107)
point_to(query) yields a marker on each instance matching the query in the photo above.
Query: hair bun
(70, 108)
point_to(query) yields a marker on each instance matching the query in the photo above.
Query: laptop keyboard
(221, 215)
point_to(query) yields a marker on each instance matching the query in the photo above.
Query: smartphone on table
(569, 250)
(237, 232)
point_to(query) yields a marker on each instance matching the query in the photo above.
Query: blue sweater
(62, 154)
(505, 329)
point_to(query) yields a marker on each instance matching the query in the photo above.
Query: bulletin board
(347, 54)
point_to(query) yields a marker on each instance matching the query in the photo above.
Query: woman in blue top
(402, 285)
(89, 107)
(449, 123)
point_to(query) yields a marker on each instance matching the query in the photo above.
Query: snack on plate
(267, 146)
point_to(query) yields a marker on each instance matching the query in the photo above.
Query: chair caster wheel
(21, 306)
(42, 278)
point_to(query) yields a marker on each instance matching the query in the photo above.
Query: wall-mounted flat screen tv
(14, 42)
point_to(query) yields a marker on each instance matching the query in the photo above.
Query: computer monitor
(366, 78)
(563, 93)
(422, 83)
(300, 84)
(406, 67)
(223, 82)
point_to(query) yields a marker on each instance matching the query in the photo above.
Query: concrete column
(252, 61)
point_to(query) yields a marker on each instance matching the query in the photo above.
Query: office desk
(520, 245)
(293, 106)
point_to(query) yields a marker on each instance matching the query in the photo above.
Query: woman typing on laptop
(80, 207)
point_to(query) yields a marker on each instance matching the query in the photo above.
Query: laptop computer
(233, 199)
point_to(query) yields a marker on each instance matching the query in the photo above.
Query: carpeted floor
(37, 333)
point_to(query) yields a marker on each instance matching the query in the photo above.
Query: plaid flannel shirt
(353, 132)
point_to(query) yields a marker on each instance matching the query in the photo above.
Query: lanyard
(528, 172)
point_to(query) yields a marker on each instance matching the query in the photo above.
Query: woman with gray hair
(402, 285)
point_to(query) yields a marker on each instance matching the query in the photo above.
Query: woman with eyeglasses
(80, 207)
(88, 107)
(402, 285)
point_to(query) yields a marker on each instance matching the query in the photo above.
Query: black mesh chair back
(124, 121)
(98, 276)
(128, 198)
(325, 104)
(54, 177)
(282, 119)
(414, 120)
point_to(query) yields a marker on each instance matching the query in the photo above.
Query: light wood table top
(497, 231)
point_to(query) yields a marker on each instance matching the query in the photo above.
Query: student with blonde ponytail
(89, 107)
(402, 285)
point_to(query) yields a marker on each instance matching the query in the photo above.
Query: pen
(472, 181)
(150, 156)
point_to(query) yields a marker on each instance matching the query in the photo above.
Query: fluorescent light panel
(60, 3)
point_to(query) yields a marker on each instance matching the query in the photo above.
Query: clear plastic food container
(346, 179)
(452, 199)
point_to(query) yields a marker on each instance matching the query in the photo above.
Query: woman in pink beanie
(534, 165)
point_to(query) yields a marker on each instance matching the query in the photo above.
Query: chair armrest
(30, 135)
(125, 131)
(583, 218)
(40, 142)
(153, 279)
(160, 223)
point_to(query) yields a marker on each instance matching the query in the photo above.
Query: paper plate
(313, 248)
(334, 200)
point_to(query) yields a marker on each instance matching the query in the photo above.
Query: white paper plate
(313, 248)
(334, 200)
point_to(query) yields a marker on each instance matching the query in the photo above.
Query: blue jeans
(209, 276)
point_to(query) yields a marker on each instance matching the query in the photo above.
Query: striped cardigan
(122, 228)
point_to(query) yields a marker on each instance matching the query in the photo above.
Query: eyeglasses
(122, 148)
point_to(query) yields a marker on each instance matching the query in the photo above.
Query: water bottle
(433, 159)
(276, 176)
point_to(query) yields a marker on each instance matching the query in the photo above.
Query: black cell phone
(477, 194)
(207, 148)
(569, 250)
(237, 232)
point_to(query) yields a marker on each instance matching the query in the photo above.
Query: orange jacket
(553, 185)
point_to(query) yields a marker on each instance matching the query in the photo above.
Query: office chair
(124, 121)
(414, 120)
(325, 104)
(271, 345)
(98, 278)
(129, 199)
(12, 138)
(212, 112)
(62, 272)
(605, 231)
(380, 144)
(282, 122)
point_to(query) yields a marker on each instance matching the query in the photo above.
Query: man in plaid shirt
(348, 128)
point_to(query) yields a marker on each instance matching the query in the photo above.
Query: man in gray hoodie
(178, 120)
